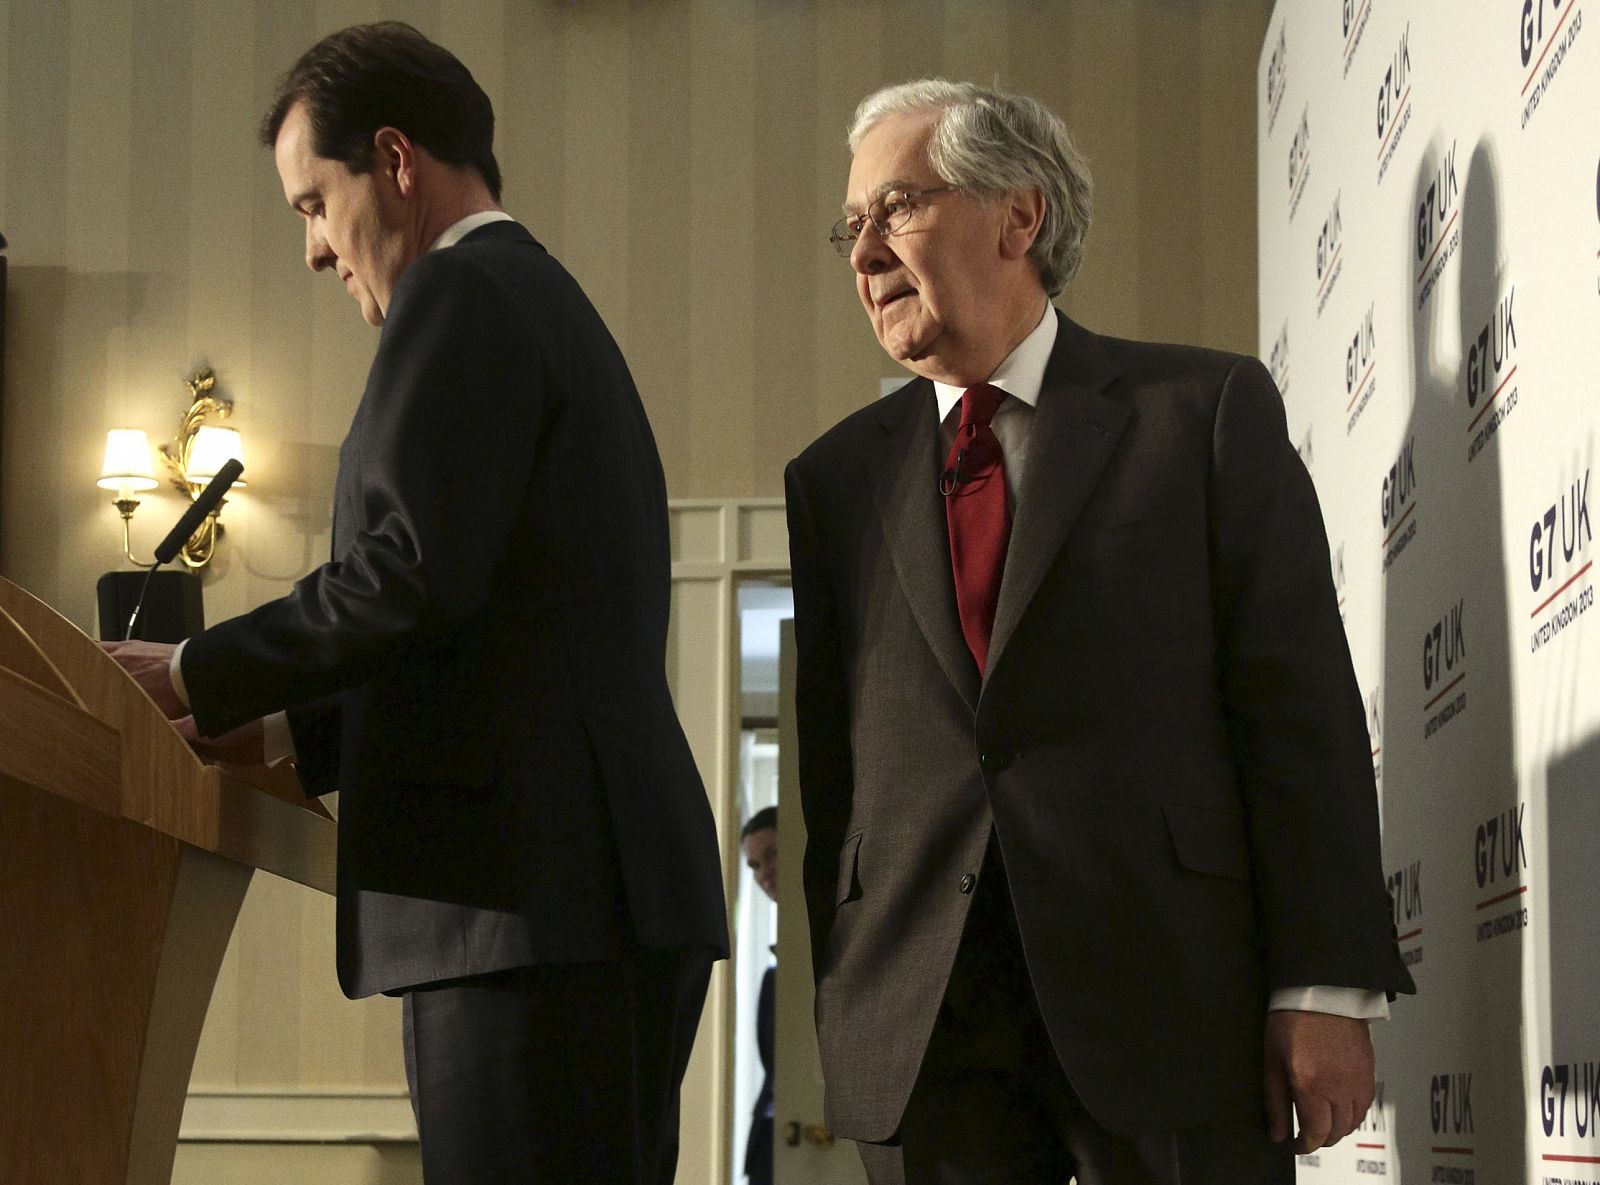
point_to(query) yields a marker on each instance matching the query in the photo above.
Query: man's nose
(318, 254)
(871, 253)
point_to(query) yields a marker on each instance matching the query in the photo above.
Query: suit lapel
(905, 489)
(1074, 431)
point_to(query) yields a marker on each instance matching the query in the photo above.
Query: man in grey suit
(526, 851)
(1092, 863)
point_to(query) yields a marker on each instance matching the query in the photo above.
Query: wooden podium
(123, 862)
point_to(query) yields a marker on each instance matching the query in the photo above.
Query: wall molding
(298, 1117)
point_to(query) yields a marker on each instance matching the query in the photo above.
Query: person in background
(759, 844)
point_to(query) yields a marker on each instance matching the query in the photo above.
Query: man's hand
(150, 664)
(242, 746)
(1323, 1065)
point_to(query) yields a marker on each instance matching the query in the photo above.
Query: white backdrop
(1429, 191)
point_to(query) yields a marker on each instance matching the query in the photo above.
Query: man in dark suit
(1092, 862)
(526, 851)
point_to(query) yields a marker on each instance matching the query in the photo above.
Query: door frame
(717, 544)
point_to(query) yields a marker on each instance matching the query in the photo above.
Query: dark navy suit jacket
(480, 667)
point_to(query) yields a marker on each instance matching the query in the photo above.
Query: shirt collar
(1022, 372)
(466, 226)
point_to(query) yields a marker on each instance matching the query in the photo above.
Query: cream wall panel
(789, 239)
(850, 46)
(910, 36)
(98, 181)
(763, 535)
(1170, 148)
(728, 288)
(595, 166)
(216, 1056)
(221, 151)
(99, 127)
(1129, 250)
(265, 1021)
(152, 220)
(659, 246)
(35, 129)
(530, 140)
(5, 81)
(975, 39)
(1226, 208)
(477, 34)
(1106, 114)
(299, 1116)
(275, 1164)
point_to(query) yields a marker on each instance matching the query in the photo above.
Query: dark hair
(367, 77)
(766, 817)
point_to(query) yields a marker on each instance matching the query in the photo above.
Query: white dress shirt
(277, 741)
(1021, 377)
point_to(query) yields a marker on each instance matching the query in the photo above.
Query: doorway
(761, 605)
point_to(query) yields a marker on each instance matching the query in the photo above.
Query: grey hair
(990, 144)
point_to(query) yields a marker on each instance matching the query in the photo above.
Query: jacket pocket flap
(1209, 841)
(849, 887)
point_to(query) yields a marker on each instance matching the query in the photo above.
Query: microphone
(196, 514)
(187, 526)
(951, 478)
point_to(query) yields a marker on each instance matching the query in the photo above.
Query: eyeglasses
(888, 215)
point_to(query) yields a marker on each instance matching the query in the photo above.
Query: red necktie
(974, 485)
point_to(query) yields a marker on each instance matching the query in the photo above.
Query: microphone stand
(204, 505)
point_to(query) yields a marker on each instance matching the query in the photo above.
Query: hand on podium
(242, 746)
(150, 664)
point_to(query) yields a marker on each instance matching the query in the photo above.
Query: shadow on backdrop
(1449, 773)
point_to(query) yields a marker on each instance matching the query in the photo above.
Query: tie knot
(978, 405)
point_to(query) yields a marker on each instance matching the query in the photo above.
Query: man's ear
(395, 157)
(1024, 217)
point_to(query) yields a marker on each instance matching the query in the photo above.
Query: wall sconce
(192, 459)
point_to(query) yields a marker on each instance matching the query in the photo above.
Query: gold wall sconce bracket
(191, 459)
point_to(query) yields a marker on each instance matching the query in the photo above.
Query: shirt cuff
(1356, 1003)
(277, 739)
(175, 669)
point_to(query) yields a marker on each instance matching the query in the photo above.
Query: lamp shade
(213, 447)
(127, 462)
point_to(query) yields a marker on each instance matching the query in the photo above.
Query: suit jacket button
(994, 760)
(968, 882)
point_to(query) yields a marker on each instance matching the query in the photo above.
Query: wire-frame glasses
(888, 215)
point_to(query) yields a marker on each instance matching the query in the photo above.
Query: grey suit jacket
(1168, 742)
(480, 667)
